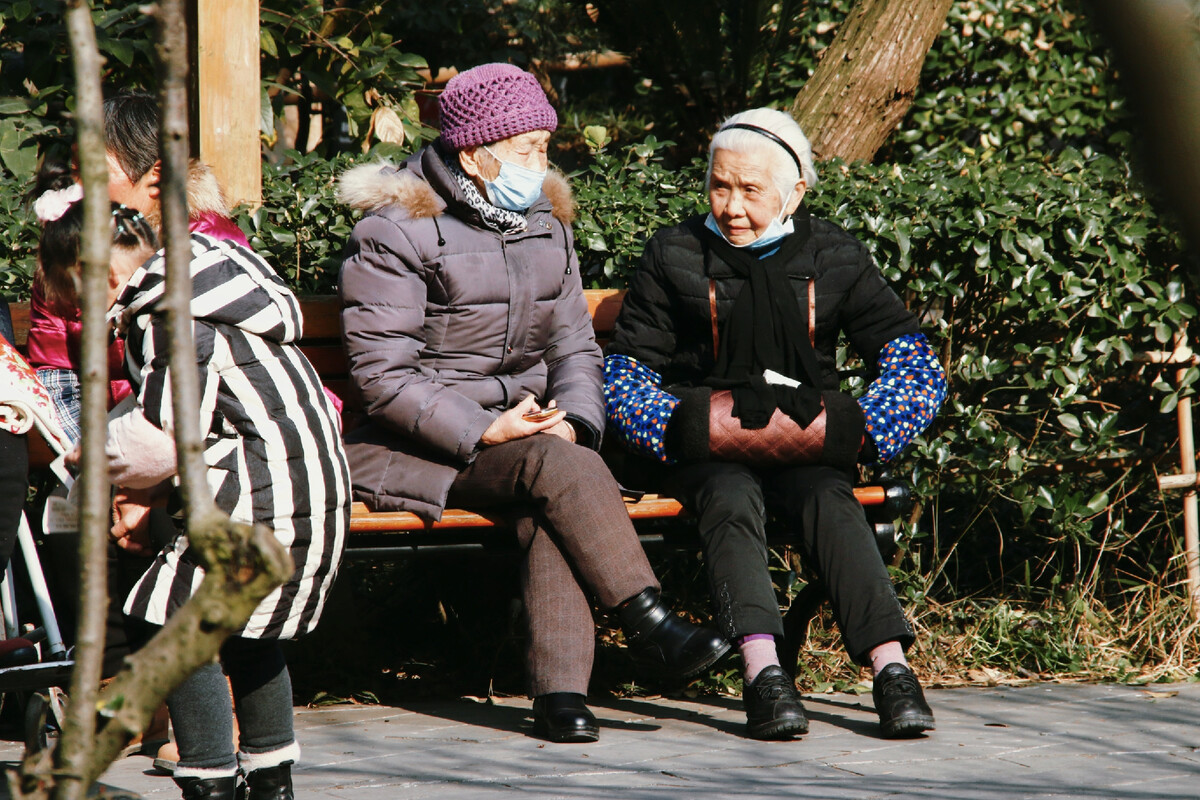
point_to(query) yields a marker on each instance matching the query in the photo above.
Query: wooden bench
(385, 533)
(377, 532)
(657, 518)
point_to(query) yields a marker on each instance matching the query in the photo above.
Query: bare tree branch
(79, 727)
(177, 301)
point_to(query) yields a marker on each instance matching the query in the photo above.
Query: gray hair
(783, 168)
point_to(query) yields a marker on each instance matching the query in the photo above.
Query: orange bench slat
(650, 507)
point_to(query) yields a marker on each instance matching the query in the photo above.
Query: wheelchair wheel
(41, 721)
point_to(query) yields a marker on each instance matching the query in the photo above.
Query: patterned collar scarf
(498, 219)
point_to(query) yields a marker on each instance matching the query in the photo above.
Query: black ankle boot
(208, 788)
(562, 717)
(270, 783)
(656, 635)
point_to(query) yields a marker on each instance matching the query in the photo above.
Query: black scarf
(767, 329)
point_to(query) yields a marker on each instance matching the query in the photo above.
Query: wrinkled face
(530, 150)
(744, 197)
(141, 194)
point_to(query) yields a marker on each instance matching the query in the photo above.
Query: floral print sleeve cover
(637, 408)
(898, 405)
(904, 399)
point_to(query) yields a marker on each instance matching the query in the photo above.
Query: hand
(563, 429)
(71, 460)
(131, 519)
(512, 425)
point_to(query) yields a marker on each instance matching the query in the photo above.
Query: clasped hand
(512, 424)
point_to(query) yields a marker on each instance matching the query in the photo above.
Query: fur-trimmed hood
(378, 185)
(204, 194)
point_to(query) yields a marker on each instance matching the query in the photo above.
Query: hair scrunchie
(54, 203)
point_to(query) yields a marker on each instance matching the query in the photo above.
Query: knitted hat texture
(492, 102)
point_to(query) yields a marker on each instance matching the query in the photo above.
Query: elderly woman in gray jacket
(470, 343)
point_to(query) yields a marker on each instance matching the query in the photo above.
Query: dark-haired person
(131, 124)
(470, 343)
(730, 326)
(131, 130)
(273, 454)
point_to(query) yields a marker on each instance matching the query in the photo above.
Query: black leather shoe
(208, 788)
(657, 636)
(900, 703)
(773, 709)
(562, 717)
(270, 783)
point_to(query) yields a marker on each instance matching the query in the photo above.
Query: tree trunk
(866, 80)
(1155, 49)
(1156, 52)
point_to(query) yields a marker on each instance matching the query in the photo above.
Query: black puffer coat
(666, 322)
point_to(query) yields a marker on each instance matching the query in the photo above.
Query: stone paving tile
(1042, 742)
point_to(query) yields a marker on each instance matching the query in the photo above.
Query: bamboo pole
(1191, 512)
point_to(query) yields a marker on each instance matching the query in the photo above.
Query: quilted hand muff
(833, 438)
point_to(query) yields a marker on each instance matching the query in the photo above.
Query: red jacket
(54, 333)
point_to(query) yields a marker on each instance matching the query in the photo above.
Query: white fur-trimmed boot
(269, 775)
(207, 784)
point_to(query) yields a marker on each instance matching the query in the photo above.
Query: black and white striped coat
(272, 442)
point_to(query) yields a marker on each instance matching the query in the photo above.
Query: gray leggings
(202, 715)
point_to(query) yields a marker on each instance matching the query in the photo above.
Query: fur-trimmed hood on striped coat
(448, 322)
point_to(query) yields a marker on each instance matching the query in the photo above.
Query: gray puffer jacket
(447, 323)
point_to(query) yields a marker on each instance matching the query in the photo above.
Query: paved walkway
(1042, 741)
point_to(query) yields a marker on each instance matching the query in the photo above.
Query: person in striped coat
(273, 452)
(274, 456)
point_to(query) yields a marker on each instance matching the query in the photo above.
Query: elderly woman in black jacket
(723, 357)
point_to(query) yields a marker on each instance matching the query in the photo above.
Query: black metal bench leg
(806, 605)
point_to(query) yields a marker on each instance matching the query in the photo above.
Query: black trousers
(731, 502)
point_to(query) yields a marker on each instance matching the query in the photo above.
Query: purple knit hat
(492, 102)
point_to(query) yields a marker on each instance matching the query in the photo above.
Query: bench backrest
(322, 341)
(20, 320)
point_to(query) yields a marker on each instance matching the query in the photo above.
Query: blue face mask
(769, 239)
(516, 187)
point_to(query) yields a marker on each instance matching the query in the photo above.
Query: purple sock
(758, 652)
